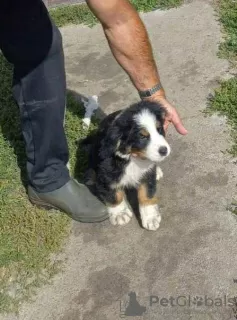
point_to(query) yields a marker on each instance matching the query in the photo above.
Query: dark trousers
(33, 44)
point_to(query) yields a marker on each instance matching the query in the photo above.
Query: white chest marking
(134, 171)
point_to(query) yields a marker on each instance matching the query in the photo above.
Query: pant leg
(39, 87)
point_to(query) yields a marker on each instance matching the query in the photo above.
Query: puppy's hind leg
(148, 202)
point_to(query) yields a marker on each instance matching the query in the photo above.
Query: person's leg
(35, 49)
(41, 95)
(33, 44)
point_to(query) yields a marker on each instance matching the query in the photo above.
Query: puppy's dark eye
(143, 137)
(144, 134)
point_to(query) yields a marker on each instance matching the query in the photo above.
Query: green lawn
(28, 236)
(228, 16)
(81, 14)
(224, 100)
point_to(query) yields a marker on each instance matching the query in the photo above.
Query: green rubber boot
(74, 199)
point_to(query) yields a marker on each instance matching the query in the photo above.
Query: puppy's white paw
(120, 214)
(120, 218)
(159, 173)
(150, 216)
(152, 224)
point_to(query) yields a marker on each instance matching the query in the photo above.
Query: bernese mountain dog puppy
(124, 153)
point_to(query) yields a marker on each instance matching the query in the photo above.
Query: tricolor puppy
(125, 152)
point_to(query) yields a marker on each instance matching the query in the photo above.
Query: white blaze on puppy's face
(157, 148)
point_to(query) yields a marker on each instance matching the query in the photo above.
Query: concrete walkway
(194, 253)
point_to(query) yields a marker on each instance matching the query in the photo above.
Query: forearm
(128, 41)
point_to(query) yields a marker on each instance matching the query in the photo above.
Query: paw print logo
(198, 301)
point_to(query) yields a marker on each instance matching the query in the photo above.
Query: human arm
(130, 45)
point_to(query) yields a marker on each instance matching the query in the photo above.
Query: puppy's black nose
(163, 151)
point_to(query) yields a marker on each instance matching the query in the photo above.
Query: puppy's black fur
(111, 145)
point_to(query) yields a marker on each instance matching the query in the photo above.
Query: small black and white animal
(124, 152)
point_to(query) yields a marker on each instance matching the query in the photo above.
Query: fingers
(172, 115)
(175, 119)
(178, 123)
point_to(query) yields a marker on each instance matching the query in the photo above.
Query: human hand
(172, 115)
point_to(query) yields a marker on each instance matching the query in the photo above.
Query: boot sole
(42, 205)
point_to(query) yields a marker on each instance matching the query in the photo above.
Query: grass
(227, 10)
(74, 14)
(233, 207)
(78, 14)
(29, 236)
(149, 5)
(224, 100)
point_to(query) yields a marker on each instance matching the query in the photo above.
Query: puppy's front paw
(120, 214)
(150, 216)
(159, 173)
(152, 223)
(120, 218)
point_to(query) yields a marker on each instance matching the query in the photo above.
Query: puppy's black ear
(156, 108)
(160, 114)
(163, 112)
(159, 111)
(110, 142)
